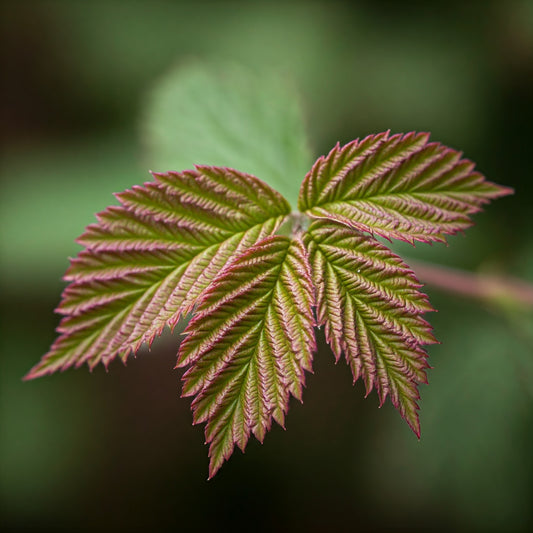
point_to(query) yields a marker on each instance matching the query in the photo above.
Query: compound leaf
(369, 303)
(249, 344)
(401, 187)
(205, 240)
(147, 261)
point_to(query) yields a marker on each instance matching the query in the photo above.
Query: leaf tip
(157, 175)
(34, 373)
(41, 369)
(214, 467)
(504, 191)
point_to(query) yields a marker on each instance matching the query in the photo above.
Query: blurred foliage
(116, 451)
(478, 427)
(50, 192)
(225, 115)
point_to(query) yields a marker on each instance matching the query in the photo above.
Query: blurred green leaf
(228, 116)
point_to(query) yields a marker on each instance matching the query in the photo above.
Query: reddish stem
(481, 286)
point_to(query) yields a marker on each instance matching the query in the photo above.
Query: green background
(116, 451)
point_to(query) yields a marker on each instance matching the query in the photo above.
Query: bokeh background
(116, 451)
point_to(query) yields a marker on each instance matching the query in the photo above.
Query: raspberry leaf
(249, 344)
(223, 244)
(400, 186)
(147, 261)
(368, 301)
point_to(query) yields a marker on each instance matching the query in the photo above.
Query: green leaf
(249, 345)
(229, 116)
(401, 187)
(148, 260)
(369, 303)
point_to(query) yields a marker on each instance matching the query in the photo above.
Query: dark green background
(116, 451)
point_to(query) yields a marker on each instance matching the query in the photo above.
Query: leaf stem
(294, 223)
(492, 288)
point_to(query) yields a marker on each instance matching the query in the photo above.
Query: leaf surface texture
(249, 345)
(147, 261)
(370, 306)
(399, 186)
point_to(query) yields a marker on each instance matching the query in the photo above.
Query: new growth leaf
(207, 242)
(147, 261)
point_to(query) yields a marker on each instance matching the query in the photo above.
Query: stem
(511, 297)
(495, 289)
(294, 223)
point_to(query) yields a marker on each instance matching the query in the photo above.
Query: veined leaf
(205, 240)
(369, 303)
(148, 260)
(249, 345)
(401, 187)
